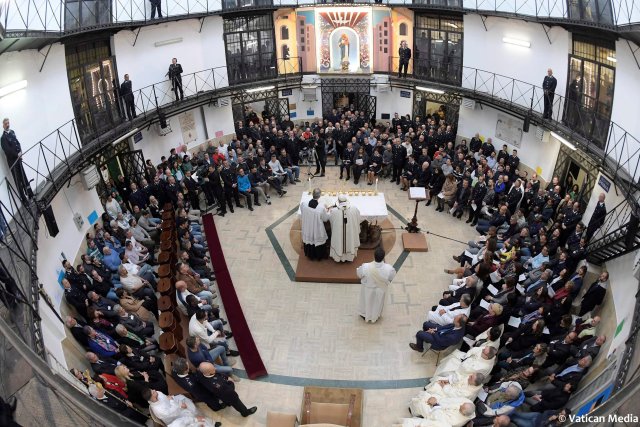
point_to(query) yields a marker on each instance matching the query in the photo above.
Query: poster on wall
(188, 127)
(509, 130)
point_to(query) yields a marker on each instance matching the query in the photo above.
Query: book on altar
(492, 289)
(484, 304)
(417, 193)
(514, 321)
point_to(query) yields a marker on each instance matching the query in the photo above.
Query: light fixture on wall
(166, 42)
(13, 87)
(449, 24)
(612, 58)
(564, 141)
(260, 89)
(428, 89)
(516, 42)
(123, 137)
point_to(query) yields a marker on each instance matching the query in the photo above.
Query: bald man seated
(440, 411)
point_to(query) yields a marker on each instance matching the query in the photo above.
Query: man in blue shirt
(111, 259)
(244, 188)
(440, 337)
(198, 353)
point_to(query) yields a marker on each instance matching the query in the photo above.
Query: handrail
(581, 122)
(50, 17)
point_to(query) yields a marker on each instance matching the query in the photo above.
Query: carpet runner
(242, 335)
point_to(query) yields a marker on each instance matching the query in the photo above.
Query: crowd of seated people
(523, 334)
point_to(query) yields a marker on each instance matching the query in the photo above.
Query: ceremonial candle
(376, 185)
(309, 184)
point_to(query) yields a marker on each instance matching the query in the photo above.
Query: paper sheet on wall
(188, 127)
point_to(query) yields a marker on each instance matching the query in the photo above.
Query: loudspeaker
(163, 120)
(525, 126)
(50, 220)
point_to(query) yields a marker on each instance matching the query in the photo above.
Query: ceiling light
(516, 42)
(259, 89)
(13, 87)
(564, 141)
(428, 89)
(451, 25)
(612, 59)
(166, 42)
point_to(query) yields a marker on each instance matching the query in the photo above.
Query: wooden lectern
(413, 240)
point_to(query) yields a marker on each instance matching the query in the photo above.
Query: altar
(372, 207)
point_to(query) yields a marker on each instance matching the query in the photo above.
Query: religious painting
(344, 40)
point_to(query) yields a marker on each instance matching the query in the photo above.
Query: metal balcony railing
(21, 18)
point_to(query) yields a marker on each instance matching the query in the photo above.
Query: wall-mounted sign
(604, 183)
(287, 92)
(405, 94)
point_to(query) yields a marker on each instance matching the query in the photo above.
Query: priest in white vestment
(375, 278)
(440, 411)
(345, 230)
(314, 235)
(169, 408)
(454, 384)
(478, 360)
(444, 314)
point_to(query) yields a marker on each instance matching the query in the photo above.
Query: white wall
(624, 112)
(216, 120)
(40, 108)
(533, 152)
(74, 199)
(302, 108)
(613, 198)
(484, 50)
(623, 286)
(147, 64)
(391, 102)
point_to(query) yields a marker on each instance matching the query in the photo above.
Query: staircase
(615, 243)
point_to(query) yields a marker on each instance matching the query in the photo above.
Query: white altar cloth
(372, 208)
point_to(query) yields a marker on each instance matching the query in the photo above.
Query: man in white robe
(375, 278)
(440, 411)
(444, 314)
(454, 384)
(345, 230)
(314, 235)
(169, 408)
(478, 360)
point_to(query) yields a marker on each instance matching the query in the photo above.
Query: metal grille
(277, 107)
(366, 103)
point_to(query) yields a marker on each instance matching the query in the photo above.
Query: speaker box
(50, 220)
(525, 126)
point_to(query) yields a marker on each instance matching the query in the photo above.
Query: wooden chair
(164, 257)
(165, 303)
(164, 271)
(165, 287)
(280, 419)
(168, 323)
(170, 345)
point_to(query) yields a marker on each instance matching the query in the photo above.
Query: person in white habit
(174, 409)
(442, 411)
(345, 230)
(478, 360)
(444, 314)
(314, 235)
(375, 278)
(455, 384)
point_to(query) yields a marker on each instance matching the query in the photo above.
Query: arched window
(284, 32)
(285, 51)
(403, 29)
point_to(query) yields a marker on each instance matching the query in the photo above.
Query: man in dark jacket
(175, 75)
(221, 388)
(477, 196)
(549, 87)
(595, 294)
(399, 155)
(462, 199)
(126, 93)
(405, 55)
(189, 383)
(440, 337)
(13, 152)
(597, 218)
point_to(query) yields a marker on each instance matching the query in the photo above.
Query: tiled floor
(308, 331)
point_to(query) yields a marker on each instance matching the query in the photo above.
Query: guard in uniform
(398, 157)
(549, 86)
(175, 75)
(221, 388)
(126, 92)
(405, 55)
(230, 181)
(13, 152)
